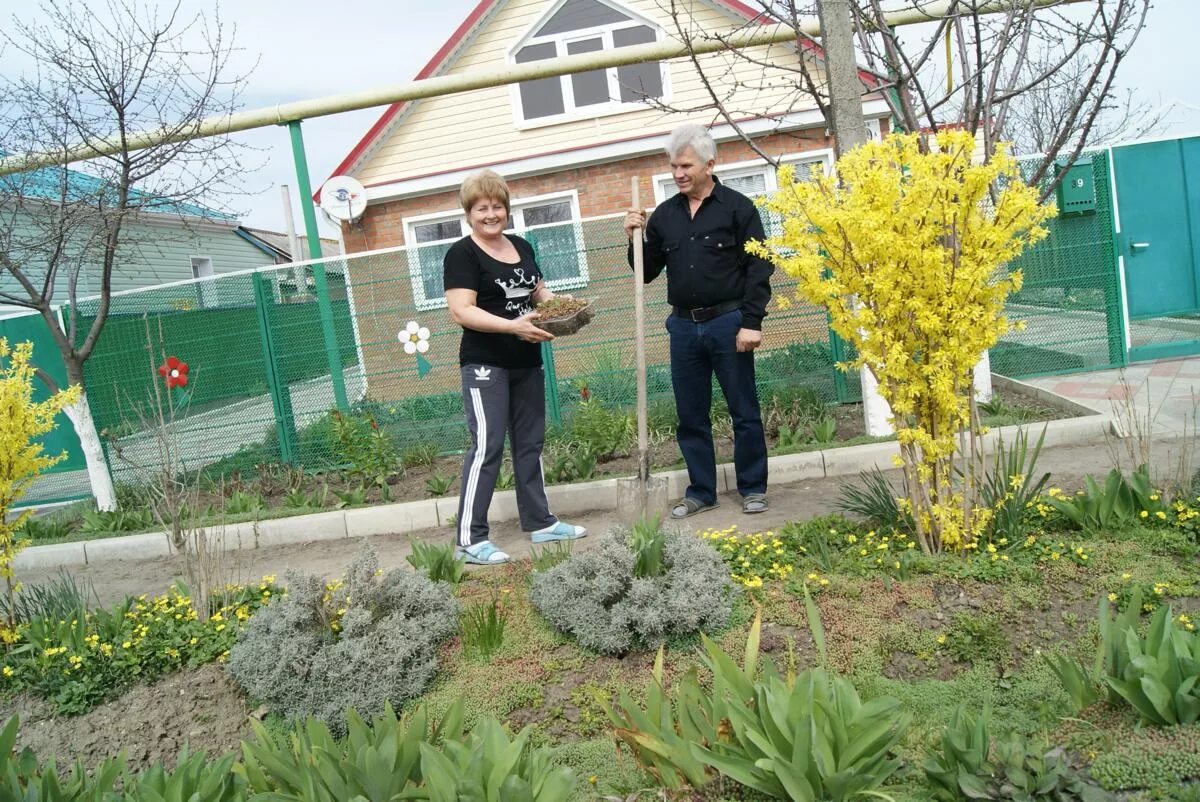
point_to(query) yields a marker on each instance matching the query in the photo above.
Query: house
(162, 241)
(568, 145)
(278, 247)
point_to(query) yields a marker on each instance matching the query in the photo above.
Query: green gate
(1158, 191)
(51, 487)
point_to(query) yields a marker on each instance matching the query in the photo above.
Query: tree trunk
(101, 481)
(849, 131)
(841, 70)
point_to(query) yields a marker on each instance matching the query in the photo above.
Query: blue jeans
(699, 350)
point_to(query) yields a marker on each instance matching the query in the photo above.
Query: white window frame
(560, 40)
(517, 207)
(206, 291)
(664, 183)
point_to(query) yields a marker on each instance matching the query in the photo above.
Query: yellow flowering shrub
(22, 458)
(78, 663)
(905, 250)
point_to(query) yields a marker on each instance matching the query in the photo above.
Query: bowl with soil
(562, 316)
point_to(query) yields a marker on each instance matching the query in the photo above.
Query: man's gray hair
(694, 136)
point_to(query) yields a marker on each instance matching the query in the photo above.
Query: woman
(492, 285)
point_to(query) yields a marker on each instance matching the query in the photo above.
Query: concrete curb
(570, 499)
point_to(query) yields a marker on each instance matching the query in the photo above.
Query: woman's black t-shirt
(504, 290)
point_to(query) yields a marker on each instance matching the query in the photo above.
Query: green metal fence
(1070, 303)
(260, 390)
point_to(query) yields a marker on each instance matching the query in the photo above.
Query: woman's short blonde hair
(484, 184)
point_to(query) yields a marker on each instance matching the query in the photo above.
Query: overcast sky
(308, 49)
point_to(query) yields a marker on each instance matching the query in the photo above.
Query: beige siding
(458, 131)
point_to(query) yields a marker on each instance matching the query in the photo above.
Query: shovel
(642, 497)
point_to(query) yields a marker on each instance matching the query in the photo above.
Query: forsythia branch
(906, 251)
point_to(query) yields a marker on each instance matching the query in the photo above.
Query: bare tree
(1000, 62)
(1033, 118)
(1013, 68)
(93, 75)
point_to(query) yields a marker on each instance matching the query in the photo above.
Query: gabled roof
(464, 33)
(46, 184)
(277, 244)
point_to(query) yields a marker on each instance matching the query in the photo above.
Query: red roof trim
(463, 31)
(429, 69)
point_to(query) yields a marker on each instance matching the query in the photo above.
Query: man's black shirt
(705, 255)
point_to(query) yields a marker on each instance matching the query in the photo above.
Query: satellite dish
(343, 199)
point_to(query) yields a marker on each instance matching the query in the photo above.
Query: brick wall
(383, 293)
(603, 188)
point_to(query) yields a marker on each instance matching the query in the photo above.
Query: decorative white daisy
(415, 338)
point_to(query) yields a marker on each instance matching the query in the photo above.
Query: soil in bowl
(562, 316)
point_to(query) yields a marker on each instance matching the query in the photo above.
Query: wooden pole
(639, 325)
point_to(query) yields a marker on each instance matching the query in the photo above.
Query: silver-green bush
(361, 643)
(595, 597)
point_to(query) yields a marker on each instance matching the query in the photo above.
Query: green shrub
(551, 554)
(483, 627)
(972, 638)
(647, 542)
(105, 521)
(604, 432)
(194, 778)
(46, 528)
(438, 484)
(596, 597)
(241, 502)
(1010, 488)
(970, 766)
(420, 455)
(61, 598)
(361, 643)
(824, 430)
(807, 737)
(390, 759)
(440, 562)
(1119, 503)
(572, 463)
(875, 500)
(1158, 674)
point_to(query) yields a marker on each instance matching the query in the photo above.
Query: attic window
(586, 26)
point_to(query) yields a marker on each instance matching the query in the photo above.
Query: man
(719, 295)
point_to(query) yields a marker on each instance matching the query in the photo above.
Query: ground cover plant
(76, 658)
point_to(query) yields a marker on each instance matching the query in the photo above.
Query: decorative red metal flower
(174, 372)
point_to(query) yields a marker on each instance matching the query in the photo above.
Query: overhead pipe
(285, 113)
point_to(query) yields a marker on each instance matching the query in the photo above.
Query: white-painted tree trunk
(877, 414)
(983, 379)
(102, 485)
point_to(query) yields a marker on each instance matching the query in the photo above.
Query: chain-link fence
(261, 383)
(1070, 304)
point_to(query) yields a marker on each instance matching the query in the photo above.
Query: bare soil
(201, 709)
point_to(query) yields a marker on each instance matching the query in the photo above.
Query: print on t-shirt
(518, 291)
